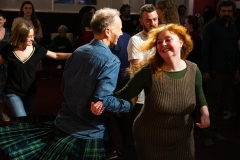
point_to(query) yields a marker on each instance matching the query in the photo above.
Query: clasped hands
(97, 108)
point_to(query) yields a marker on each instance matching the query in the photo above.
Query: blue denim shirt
(90, 74)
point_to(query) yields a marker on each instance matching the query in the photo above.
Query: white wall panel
(14, 5)
(49, 6)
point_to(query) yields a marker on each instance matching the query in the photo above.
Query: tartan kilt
(37, 138)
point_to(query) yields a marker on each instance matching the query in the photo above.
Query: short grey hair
(104, 18)
(63, 28)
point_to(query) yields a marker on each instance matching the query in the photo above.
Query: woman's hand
(205, 121)
(134, 100)
(97, 108)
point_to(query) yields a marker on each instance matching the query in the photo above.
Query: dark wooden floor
(49, 99)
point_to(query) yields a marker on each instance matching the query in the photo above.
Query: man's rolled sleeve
(105, 88)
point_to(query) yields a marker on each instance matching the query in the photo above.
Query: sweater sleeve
(141, 80)
(200, 98)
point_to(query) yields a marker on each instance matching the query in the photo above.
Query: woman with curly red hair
(172, 86)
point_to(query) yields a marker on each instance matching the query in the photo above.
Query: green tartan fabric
(37, 138)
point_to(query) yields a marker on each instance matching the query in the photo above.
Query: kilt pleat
(91, 149)
(59, 147)
(36, 140)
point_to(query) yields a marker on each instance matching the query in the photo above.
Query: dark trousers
(217, 93)
(129, 150)
(125, 124)
(122, 119)
(236, 124)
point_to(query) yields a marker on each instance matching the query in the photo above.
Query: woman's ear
(181, 43)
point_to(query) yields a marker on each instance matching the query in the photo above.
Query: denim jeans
(21, 105)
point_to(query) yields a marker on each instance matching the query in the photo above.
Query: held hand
(97, 108)
(206, 77)
(205, 121)
(134, 100)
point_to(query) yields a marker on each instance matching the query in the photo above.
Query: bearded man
(219, 65)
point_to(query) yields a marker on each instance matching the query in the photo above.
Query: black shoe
(112, 155)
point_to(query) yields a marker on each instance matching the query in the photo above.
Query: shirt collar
(99, 43)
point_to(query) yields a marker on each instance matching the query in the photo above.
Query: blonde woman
(22, 57)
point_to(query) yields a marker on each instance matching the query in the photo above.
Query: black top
(21, 78)
(128, 27)
(219, 48)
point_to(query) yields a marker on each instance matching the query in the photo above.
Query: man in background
(219, 65)
(127, 24)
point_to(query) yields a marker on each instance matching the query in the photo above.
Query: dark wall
(199, 5)
(50, 23)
